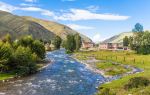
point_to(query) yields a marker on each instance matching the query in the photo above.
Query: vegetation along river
(65, 76)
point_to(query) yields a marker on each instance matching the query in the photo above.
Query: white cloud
(30, 1)
(71, 15)
(36, 9)
(10, 8)
(80, 14)
(7, 7)
(97, 38)
(79, 27)
(26, 5)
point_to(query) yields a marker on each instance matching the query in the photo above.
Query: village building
(112, 46)
(87, 45)
(115, 42)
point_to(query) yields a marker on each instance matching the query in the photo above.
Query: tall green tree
(26, 41)
(70, 44)
(23, 61)
(57, 42)
(5, 54)
(78, 41)
(138, 28)
(140, 42)
(38, 48)
(126, 41)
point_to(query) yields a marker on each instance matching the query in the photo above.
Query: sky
(97, 19)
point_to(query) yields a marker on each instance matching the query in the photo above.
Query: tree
(78, 42)
(5, 54)
(38, 48)
(70, 44)
(126, 41)
(26, 41)
(138, 28)
(57, 42)
(23, 61)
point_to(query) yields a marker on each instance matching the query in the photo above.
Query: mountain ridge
(57, 28)
(18, 26)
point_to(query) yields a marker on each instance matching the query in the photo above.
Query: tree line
(71, 44)
(20, 56)
(140, 41)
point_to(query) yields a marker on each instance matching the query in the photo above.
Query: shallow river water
(65, 76)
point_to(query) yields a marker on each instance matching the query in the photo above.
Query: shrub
(38, 48)
(57, 42)
(137, 82)
(105, 91)
(5, 54)
(23, 61)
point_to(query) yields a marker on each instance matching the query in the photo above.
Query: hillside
(17, 27)
(118, 38)
(58, 29)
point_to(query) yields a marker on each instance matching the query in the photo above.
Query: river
(65, 76)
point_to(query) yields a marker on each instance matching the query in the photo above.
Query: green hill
(17, 27)
(118, 38)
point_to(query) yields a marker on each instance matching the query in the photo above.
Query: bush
(23, 61)
(38, 48)
(5, 54)
(57, 42)
(105, 91)
(21, 55)
(137, 82)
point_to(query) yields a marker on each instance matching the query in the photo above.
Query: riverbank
(5, 77)
(124, 58)
(65, 76)
(94, 65)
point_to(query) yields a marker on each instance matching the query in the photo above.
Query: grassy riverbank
(111, 69)
(7, 76)
(123, 57)
(4, 76)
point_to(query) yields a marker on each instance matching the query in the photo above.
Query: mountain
(118, 38)
(17, 27)
(58, 29)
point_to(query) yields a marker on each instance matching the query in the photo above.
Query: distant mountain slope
(17, 27)
(118, 38)
(58, 29)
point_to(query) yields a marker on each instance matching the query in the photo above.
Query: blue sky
(97, 19)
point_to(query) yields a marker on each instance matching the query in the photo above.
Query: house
(87, 45)
(110, 46)
(115, 42)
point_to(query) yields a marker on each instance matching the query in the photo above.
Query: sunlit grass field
(4, 76)
(123, 57)
(111, 69)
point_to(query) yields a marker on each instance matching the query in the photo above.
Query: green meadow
(122, 57)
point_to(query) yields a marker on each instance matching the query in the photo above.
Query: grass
(4, 76)
(112, 69)
(124, 57)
